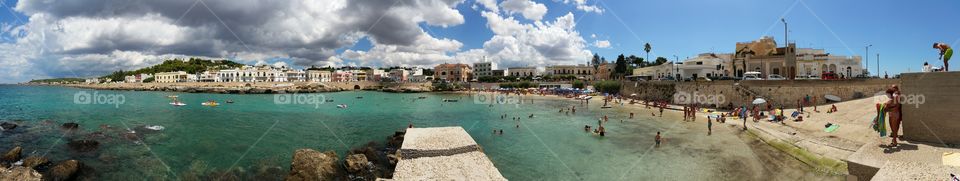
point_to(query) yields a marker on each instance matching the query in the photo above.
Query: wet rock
(35, 162)
(70, 126)
(66, 170)
(19, 173)
(356, 163)
(8, 125)
(11, 156)
(309, 164)
(83, 145)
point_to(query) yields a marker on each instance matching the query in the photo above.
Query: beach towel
(831, 128)
(795, 114)
(879, 123)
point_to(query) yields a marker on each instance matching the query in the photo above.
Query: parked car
(667, 78)
(775, 77)
(752, 76)
(725, 78)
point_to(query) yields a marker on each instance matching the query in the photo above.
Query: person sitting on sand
(833, 108)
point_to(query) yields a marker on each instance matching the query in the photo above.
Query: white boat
(154, 127)
(341, 106)
(178, 104)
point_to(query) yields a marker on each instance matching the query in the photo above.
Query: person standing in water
(709, 126)
(945, 53)
(657, 139)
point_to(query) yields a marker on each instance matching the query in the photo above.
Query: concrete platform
(908, 161)
(443, 153)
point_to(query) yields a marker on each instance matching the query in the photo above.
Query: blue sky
(902, 32)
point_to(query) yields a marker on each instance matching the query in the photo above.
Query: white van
(752, 76)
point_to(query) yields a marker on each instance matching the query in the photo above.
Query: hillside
(193, 65)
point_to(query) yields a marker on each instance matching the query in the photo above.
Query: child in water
(657, 139)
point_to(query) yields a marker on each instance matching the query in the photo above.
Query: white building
(296, 75)
(656, 72)
(318, 75)
(706, 65)
(523, 71)
(484, 68)
(817, 61)
(171, 77)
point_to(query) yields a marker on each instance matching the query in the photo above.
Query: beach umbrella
(759, 101)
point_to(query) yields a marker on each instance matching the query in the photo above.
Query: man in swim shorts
(945, 53)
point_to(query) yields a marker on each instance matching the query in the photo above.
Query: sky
(66, 38)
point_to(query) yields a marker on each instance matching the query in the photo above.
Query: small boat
(422, 97)
(210, 103)
(172, 96)
(154, 127)
(606, 106)
(177, 103)
(229, 101)
(450, 100)
(341, 106)
(329, 100)
(359, 97)
(832, 98)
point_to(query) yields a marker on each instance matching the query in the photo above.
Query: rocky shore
(369, 162)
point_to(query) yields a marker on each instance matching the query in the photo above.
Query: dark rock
(309, 164)
(83, 145)
(19, 173)
(11, 156)
(66, 170)
(7, 125)
(356, 163)
(35, 162)
(70, 126)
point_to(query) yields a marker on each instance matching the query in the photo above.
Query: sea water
(260, 132)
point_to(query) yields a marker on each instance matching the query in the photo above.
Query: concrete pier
(443, 153)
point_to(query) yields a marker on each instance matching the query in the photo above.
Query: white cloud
(98, 37)
(529, 9)
(601, 44)
(539, 43)
(583, 6)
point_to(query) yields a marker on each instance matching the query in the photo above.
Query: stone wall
(785, 92)
(934, 116)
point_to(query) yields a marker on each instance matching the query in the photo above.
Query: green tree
(620, 68)
(595, 61)
(578, 84)
(607, 86)
(647, 48)
(660, 61)
(636, 61)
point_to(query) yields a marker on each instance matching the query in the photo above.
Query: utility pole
(878, 65)
(867, 59)
(677, 60)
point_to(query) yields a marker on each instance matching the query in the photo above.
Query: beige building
(318, 75)
(765, 57)
(584, 72)
(453, 72)
(171, 77)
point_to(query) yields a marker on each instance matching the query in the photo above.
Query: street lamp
(677, 60)
(867, 59)
(878, 65)
(785, 40)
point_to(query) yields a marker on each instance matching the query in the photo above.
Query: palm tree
(647, 48)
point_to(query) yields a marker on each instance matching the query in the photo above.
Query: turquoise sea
(257, 135)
